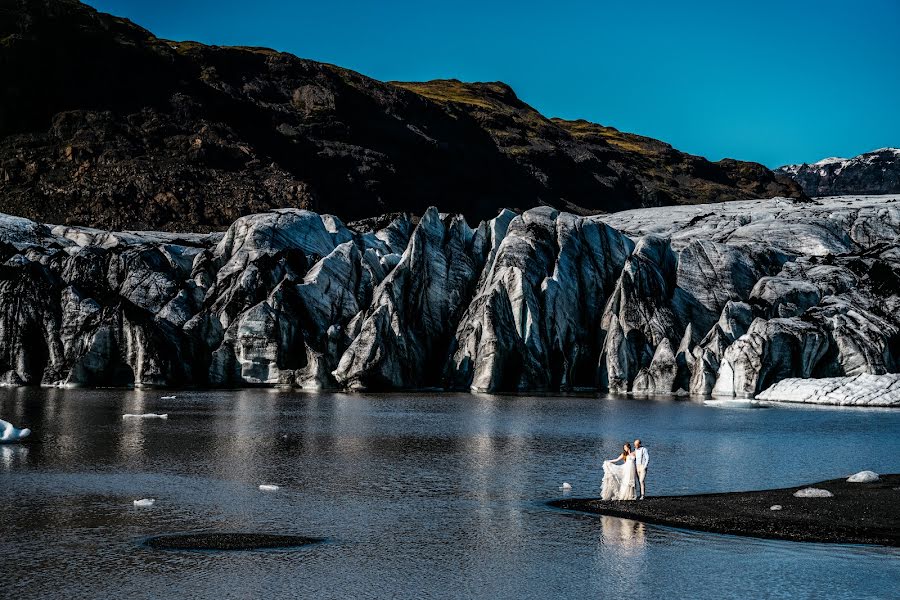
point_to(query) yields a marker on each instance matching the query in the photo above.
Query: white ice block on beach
(813, 493)
(167, 397)
(145, 416)
(9, 433)
(144, 502)
(863, 477)
(267, 487)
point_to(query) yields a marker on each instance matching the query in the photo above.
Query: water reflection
(13, 456)
(347, 413)
(626, 535)
(420, 495)
(131, 440)
(14, 405)
(481, 449)
(619, 563)
(246, 432)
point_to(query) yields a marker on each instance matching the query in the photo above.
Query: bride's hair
(626, 448)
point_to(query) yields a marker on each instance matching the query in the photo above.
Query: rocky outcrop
(876, 172)
(103, 124)
(728, 303)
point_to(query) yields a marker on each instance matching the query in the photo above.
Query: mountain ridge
(103, 124)
(874, 172)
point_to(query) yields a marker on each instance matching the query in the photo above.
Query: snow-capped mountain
(876, 172)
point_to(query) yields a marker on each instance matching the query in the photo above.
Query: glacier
(721, 299)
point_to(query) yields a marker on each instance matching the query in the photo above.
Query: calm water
(419, 496)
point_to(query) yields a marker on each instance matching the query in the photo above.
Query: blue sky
(774, 82)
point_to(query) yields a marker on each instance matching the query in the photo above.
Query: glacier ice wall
(719, 298)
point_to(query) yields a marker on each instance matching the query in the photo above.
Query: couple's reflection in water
(625, 534)
(620, 563)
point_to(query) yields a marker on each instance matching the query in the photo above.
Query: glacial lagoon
(416, 495)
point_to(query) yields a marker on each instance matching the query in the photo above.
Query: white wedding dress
(619, 481)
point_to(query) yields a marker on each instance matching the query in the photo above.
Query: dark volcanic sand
(859, 513)
(227, 541)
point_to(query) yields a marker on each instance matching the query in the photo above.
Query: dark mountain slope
(102, 123)
(636, 170)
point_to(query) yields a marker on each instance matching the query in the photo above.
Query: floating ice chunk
(775, 507)
(167, 398)
(145, 416)
(735, 403)
(813, 493)
(566, 486)
(863, 477)
(266, 487)
(144, 502)
(8, 433)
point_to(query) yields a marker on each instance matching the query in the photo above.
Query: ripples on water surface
(419, 496)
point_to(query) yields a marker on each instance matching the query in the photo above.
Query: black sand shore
(859, 513)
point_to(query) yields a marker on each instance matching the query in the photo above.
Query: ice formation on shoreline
(860, 390)
(724, 299)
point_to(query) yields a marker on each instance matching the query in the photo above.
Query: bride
(619, 479)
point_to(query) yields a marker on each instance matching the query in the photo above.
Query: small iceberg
(813, 493)
(167, 397)
(267, 487)
(145, 416)
(775, 507)
(735, 403)
(144, 502)
(566, 486)
(863, 477)
(8, 433)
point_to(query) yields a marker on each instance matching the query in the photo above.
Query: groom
(641, 459)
